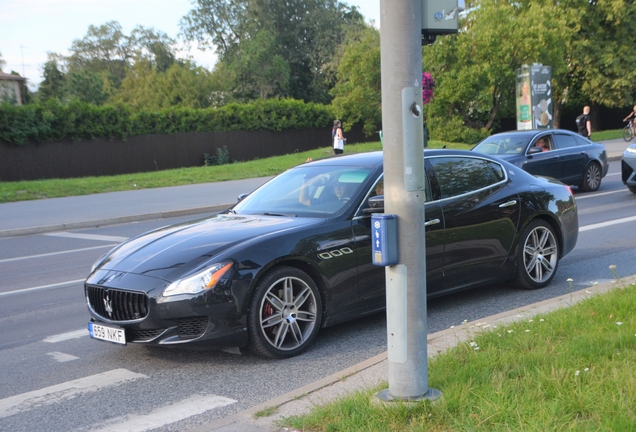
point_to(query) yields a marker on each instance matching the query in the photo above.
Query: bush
(53, 121)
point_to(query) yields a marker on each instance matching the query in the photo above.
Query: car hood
(170, 252)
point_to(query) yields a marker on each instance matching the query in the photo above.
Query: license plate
(107, 333)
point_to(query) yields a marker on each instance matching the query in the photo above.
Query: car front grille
(626, 171)
(117, 305)
(192, 327)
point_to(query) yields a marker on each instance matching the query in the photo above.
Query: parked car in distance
(565, 155)
(295, 255)
(628, 168)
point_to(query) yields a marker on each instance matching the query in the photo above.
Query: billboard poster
(533, 91)
(541, 90)
(524, 101)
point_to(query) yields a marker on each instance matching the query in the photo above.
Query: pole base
(386, 397)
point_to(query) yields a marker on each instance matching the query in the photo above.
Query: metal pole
(401, 53)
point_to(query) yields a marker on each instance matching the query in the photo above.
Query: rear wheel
(628, 133)
(538, 256)
(285, 313)
(591, 178)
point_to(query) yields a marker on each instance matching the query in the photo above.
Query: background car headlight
(200, 282)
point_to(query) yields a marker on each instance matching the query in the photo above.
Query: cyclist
(632, 115)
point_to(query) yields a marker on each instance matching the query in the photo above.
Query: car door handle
(508, 204)
(431, 222)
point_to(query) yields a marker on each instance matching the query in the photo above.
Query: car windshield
(306, 191)
(503, 144)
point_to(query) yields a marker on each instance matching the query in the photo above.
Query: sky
(29, 29)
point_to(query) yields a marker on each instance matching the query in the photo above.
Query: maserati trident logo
(108, 305)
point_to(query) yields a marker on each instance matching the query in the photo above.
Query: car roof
(375, 158)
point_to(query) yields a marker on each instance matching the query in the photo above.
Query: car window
(461, 175)
(306, 191)
(500, 144)
(581, 141)
(564, 141)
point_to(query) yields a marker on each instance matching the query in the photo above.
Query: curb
(112, 221)
(373, 371)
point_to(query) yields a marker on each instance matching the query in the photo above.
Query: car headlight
(200, 282)
(631, 150)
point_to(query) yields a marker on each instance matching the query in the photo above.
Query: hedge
(53, 121)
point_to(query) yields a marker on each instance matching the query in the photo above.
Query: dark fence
(101, 157)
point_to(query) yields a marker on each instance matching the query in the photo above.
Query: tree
(257, 73)
(53, 86)
(475, 69)
(603, 56)
(182, 85)
(2, 62)
(305, 35)
(357, 93)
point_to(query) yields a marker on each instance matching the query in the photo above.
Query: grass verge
(567, 370)
(55, 188)
(607, 135)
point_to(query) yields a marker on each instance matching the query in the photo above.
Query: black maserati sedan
(558, 153)
(295, 255)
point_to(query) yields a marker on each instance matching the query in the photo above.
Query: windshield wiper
(279, 214)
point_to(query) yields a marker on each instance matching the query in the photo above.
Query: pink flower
(428, 84)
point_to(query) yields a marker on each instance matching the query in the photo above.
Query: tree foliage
(357, 93)
(300, 36)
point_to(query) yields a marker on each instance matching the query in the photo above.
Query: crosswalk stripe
(62, 357)
(67, 390)
(162, 416)
(66, 336)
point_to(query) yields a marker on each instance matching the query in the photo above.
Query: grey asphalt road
(57, 214)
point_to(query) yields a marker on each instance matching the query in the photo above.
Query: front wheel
(285, 313)
(628, 133)
(538, 256)
(632, 189)
(591, 178)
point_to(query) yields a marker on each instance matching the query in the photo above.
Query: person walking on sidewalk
(338, 137)
(583, 123)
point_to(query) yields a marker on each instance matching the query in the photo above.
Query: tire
(632, 189)
(538, 257)
(628, 133)
(591, 178)
(285, 313)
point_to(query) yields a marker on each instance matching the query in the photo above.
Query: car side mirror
(241, 197)
(534, 149)
(376, 204)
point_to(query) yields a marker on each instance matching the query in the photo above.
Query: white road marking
(87, 236)
(41, 287)
(67, 390)
(58, 253)
(62, 357)
(66, 336)
(601, 194)
(162, 416)
(606, 224)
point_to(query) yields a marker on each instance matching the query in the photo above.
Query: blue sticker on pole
(385, 239)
